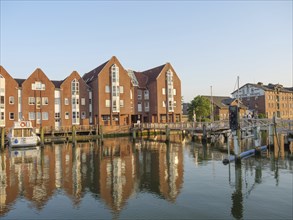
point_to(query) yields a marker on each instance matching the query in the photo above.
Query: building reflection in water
(112, 172)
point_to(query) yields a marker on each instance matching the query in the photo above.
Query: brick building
(107, 95)
(267, 99)
(158, 95)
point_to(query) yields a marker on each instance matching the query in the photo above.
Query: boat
(22, 134)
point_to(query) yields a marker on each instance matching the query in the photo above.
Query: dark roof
(153, 73)
(90, 76)
(142, 79)
(19, 81)
(57, 83)
(218, 100)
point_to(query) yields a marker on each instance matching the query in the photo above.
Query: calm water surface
(145, 180)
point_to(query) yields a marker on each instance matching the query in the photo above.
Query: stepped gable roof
(142, 79)
(153, 73)
(19, 81)
(90, 76)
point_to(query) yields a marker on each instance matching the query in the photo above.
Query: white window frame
(66, 101)
(11, 116)
(45, 116)
(31, 100)
(31, 116)
(66, 116)
(82, 101)
(107, 103)
(11, 100)
(45, 101)
(107, 89)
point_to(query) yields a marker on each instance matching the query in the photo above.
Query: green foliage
(201, 107)
(261, 115)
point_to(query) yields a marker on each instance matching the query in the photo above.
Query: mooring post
(204, 133)
(2, 138)
(282, 145)
(236, 146)
(167, 134)
(133, 134)
(101, 132)
(42, 136)
(73, 129)
(256, 130)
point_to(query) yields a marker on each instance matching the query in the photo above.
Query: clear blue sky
(209, 43)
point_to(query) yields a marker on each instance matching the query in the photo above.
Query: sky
(208, 43)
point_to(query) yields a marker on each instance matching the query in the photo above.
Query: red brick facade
(107, 95)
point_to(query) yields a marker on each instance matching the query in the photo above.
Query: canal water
(148, 179)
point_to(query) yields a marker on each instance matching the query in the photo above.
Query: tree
(200, 106)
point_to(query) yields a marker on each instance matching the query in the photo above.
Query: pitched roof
(19, 81)
(269, 87)
(218, 100)
(142, 79)
(153, 73)
(90, 76)
(57, 83)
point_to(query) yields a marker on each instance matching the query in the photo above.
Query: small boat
(22, 135)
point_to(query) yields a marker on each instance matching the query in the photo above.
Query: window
(45, 116)
(11, 115)
(139, 94)
(45, 101)
(107, 103)
(139, 107)
(121, 103)
(11, 100)
(163, 91)
(107, 89)
(115, 73)
(164, 104)
(2, 100)
(174, 91)
(174, 104)
(57, 115)
(57, 101)
(75, 87)
(31, 100)
(83, 115)
(82, 101)
(38, 102)
(2, 116)
(66, 101)
(121, 89)
(66, 115)
(115, 90)
(146, 106)
(146, 94)
(31, 116)
(90, 101)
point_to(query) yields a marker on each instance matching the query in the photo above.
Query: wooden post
(276, 145)
(2, 138)
(282, 145)
(101, 133)
(42, 136)
(204, 133)
(73, 129)
(291, 146)
(167, 134)
(133, 134)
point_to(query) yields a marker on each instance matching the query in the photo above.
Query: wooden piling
(2, 138)
(42, 136)
(73, 134)
(167, 134)
(204, 133)
(282, 145)
(101, 133)
(133, 134)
